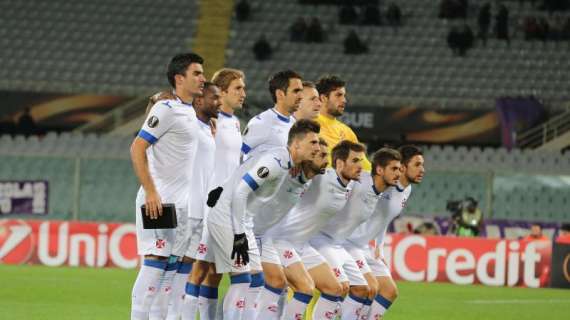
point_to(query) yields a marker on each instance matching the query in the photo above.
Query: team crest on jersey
(288, 254)
(360, 264)
(262, 172)
(152, 122)
(160, 243)
(404, 202)
(202, 248)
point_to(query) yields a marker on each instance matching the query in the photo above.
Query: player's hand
(153, 205)
(213, 196)
(163, 95)
(240, 250)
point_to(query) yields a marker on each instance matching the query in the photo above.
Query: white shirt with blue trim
(257, 180)
(390, 205)
(170, 128)
(267, 130)
(202, 171)
(358, 209)
(228, 147)
(323, 199)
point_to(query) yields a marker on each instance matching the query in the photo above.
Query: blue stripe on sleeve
(245, 148)
(147, 136)
(249, 180)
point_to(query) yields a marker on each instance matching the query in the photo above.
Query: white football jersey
(202, 171)
(267, 130)
(228, 147)
(170, 128)
(259, 177)
(268, 211)
(390, 205)
(358, 209)
(323, 199)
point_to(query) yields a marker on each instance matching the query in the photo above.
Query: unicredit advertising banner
(410, 257)
(63, 243)
(492, 262)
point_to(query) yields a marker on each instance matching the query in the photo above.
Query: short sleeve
(159, 120)
(253, 135)
(267, 168)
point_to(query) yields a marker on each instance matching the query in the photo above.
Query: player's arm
(266, 169)
(156, 124)
(253, 135)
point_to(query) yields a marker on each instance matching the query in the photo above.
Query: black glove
(213, 196)
(240, 249)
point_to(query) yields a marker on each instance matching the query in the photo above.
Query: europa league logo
(566, 267)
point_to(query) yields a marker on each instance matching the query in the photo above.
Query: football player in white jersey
(270, 128)
(389, 206)
(206, 107)
(310, 105)
(359, 208)
(269, 215)
(162, 155)
(230, 224)
(203, 282)
(326, 195)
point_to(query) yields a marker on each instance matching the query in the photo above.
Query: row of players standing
(280, 218)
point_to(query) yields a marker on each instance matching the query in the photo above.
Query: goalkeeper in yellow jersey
(332, 92)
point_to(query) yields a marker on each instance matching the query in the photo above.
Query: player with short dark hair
(270, 128)
(162, 154)
(230, 222)
(332, 92)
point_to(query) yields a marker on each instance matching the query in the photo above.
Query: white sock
(178, 291)
(190, 304)
(295, 309)
(234, 301)
(379, 306)
(327, 307)
(145, 288)
(159, 307)
(207, 302)
(351, 307)
(268, 308)
(365, 310)
(252, 296)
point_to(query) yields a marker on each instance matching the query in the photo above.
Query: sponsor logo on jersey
(262, 172)
(152, 122)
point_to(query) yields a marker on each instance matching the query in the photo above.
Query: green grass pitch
(36, 292)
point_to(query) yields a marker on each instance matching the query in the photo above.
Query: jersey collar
(227, 115)
(340, 181)
(280, 116)
(182, 102)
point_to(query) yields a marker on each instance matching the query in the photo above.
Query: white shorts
(194, 235)
(202, 252)
(221, 241)
(366, 262)
(160, 242)
(287, 253)
(341, 262)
